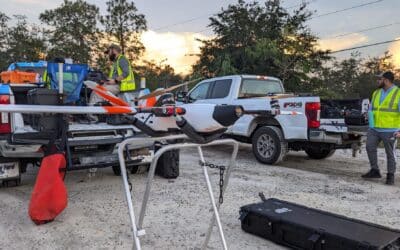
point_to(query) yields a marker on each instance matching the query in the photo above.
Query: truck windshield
(259, 87)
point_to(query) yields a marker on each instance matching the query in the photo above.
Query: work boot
(373, 173)
(390, 179)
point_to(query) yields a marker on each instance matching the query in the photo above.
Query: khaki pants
(94, 98)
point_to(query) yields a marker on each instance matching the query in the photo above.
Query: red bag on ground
(49, 196)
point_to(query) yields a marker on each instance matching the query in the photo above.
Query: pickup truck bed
(91, 145)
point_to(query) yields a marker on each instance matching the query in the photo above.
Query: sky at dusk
(174, 25)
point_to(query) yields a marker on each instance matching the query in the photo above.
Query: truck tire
(117, 170)
(12, 183)
(168, 164)
(319, 153)
(269, 145)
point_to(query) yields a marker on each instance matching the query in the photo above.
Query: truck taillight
(313, 111)
(5, 123)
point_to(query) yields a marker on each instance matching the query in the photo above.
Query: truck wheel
(269, 145)
(12, 183)
(319, 154)
(168, 164)
(117, 170)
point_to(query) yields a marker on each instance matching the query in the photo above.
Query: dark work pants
(373, 139)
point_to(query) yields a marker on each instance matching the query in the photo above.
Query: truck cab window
(259, 87)
(221, 89)
(200, 92)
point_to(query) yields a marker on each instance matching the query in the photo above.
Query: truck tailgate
(334, 125)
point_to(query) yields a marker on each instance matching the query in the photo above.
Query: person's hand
(111, 82)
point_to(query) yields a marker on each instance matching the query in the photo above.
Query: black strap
(262, 196)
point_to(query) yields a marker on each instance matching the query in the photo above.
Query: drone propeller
(114, 100)
(163, 91)
(105, 94)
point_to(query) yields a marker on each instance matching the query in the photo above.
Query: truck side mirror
(181, 96)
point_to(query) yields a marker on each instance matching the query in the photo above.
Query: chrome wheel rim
(266, 146)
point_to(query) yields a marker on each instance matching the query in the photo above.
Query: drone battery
(300, 227)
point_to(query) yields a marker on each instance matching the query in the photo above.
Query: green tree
(24, 41)
(157, 76)
(341, 78)
(265, 39)
(73, 31)
(3, 40)
(123, 24)
(369, 69)
(354, 77)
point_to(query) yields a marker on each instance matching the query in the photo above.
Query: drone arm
(187, 129)
(144, 128)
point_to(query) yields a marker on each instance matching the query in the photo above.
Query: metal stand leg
(214, 206)
(129, 201)
(146, 195)
(137, 228)
(227, 176)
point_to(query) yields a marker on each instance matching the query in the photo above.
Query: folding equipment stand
(137, 226)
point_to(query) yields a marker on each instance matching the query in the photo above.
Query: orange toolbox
(18, 77)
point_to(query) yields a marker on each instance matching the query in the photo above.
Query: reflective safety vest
(128, 83)
(46, 79)
(386, 114)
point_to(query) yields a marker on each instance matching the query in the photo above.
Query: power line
(183, 22)
(328, 13)
(322, 15)
(211, 14)
(365, 46)
(364, 30)
(297, 5)
(346, 9)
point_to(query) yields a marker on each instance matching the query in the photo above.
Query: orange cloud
(341, 42)
(394, 49)
(175, 49)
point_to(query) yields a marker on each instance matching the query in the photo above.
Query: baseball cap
(387, 75)
(113, 46)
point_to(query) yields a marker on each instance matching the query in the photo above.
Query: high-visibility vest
(128, 83)
(386, 114)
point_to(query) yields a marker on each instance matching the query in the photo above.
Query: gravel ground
(178, 214)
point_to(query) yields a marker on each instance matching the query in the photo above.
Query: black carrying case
(43, 96)
(300, 227)
(355, 117)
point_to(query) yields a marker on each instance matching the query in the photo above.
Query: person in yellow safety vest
(121, 77)
(45, 76)
(385, 109)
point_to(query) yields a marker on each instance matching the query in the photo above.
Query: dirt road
(177, 218)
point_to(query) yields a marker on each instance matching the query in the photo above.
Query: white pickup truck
(271, 135)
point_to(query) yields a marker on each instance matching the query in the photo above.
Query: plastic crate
(19, 77)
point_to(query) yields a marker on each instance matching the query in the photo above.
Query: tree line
(260, 38)
(76, 30)
(265, 38)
